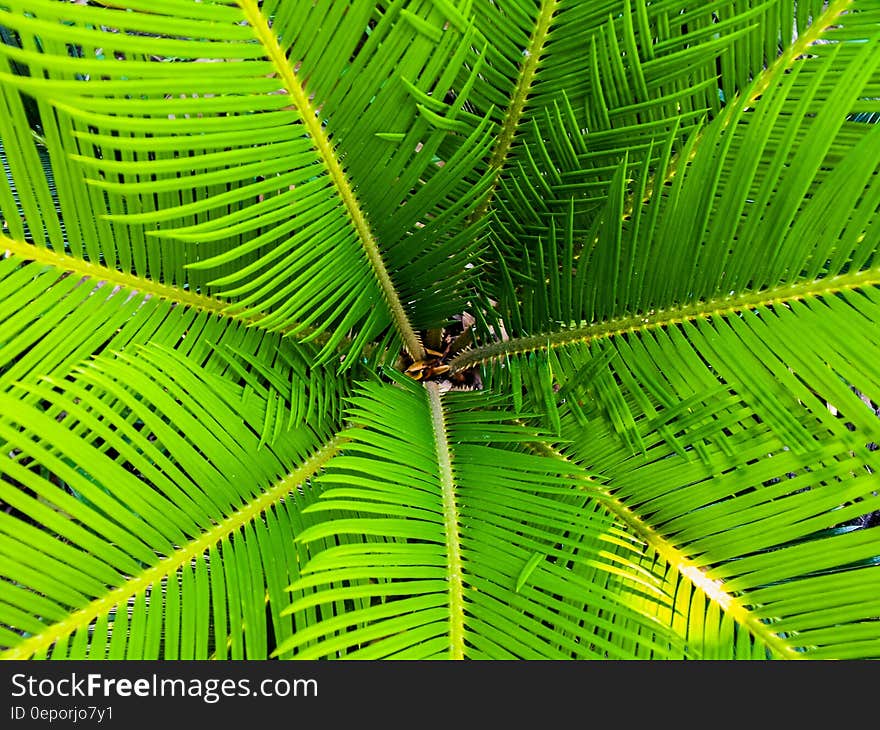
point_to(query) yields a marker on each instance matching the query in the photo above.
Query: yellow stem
(532, 55)
(80, 267)
(656, 319)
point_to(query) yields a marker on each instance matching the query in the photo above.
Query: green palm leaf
(148, 537)
(281, 209)
(236, 233)
(472, 546)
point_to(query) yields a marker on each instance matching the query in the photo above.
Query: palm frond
(59, 311)
(772, 485)
(249, 159)
(150, 535)
(751, 249)
(590, 81)
(466, 544)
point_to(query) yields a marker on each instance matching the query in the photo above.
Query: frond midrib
(712, 589)
(660, 318)
(139, 284)
(784, 62)
(168, 566)
(312, 122)
(514, 112)
(682, 564)
(450, 524)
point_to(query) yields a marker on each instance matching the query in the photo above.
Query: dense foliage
(439, 329)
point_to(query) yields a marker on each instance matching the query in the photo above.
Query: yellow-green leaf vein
(450, 521)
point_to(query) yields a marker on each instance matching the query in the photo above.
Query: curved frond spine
(450, 521)
(311, 119)
(169, 565)
(187, 485)
(659, 319)
(150, 287)
(681, 564)
(813, 32)
(531, 58)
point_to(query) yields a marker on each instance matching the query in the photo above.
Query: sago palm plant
(440, 329)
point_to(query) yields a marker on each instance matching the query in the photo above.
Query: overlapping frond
(763, 468)
(575, 85)
(150, 430)
(58, 310)
(467, 544)
(730, 402)
(748, 246)
(282, 170)
(157, 517)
